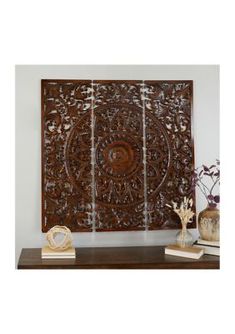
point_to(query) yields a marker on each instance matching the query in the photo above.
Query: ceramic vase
(209, 224)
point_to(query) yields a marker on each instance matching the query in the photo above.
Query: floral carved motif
(114, 153)
(66, 144)
(169, 104)
(119, 178)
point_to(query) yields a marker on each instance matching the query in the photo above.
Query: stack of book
(189, 252)
(48, 253)
(210, 247)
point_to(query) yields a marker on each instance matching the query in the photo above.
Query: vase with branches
(184, 211)
(207, 179)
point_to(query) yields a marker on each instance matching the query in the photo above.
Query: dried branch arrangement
(207, 179)
(184, 211)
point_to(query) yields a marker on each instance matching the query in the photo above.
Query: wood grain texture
(152, 257)
(170, 149)
(66, 146)
(119, 174)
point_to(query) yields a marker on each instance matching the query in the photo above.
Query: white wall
(28, 114)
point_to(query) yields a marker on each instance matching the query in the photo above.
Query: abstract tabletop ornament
(65, 243)
(114, 153)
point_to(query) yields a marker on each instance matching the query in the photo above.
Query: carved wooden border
(119, 174)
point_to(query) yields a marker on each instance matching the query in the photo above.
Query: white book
(57, 257)
(209, 243)
(209, 250)
(189, 252)
(48, 253)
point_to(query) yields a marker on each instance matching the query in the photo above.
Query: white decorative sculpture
(65, 243)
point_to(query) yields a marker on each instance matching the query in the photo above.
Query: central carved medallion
(118, 155)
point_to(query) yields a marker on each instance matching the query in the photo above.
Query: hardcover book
(208, 243)
(48, 253)
(189, 252)
(210, 247)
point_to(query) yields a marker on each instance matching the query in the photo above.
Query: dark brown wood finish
(124, 196)
(170, 149)
(119, 172)
(152, 257)
(66, 146)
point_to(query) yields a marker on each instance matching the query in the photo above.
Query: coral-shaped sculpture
(65, 243)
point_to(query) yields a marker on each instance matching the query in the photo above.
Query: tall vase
(184, 237)
(209, 224)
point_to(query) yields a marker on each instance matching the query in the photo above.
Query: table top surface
(146, 257)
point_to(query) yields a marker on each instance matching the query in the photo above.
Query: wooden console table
(152, 257)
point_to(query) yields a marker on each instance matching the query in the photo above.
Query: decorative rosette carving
(111, 150)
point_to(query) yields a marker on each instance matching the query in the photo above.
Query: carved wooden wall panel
(119, 178)
(66, 146)
(114, 153)
(169, 149)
